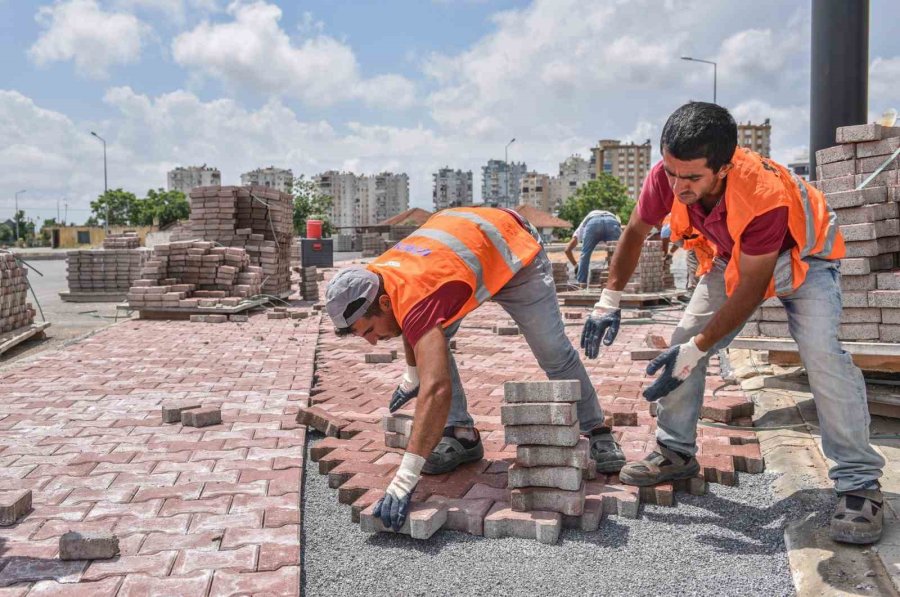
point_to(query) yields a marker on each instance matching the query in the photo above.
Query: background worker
(596, 227)
(421, 289)
(774, 235)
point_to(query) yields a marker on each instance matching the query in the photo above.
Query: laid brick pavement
(350, 398)
(198, 511)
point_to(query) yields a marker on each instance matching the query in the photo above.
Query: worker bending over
(597, 227)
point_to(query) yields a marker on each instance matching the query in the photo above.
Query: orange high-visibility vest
(757, 185)
(481, 246)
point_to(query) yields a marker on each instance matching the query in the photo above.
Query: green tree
(120, 205)
(163, 206)
(7, 234)
(605, 192)
(45, 230)
(310, 204)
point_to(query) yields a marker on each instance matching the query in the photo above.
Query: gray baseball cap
(347, 286)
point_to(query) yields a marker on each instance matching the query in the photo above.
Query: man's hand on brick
(394, 506)
(602, 324)
(677, 363)
(407, 390)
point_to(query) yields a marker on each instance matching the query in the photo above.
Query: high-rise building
(186, 178)
(535, 191)
(363, 200)
(452, 188)
(629, 162)
(573, 173)
(276, 178)
(500, 182)
(757, 137)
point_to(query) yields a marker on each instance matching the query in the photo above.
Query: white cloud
(82, 32)
(884, 74)
(177, 10)
(253, 52)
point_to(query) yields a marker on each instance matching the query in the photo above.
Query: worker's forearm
(625, 258)
(571, 255)
(432, 408)
(409, 353)
(734, 312)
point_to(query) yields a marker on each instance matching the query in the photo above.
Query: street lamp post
(16, 214)
(105, 185)
(506, 160)
(714, 71)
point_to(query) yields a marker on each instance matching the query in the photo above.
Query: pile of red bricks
(651, 274)
(125, 240)
(15, 311)
(256, 219)
(195, 274)
(109, 270)
(870, 223)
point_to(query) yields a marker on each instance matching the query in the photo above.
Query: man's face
(693, 180)
(382, 326)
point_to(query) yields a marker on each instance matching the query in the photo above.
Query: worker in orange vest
(421, 289)
(770, 234)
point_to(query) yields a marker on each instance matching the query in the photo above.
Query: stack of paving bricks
(195, 274)
(373, 245)
(561, 275)
(343, 243)
(651, 274)
(15, 311)
(309, 285)
(111, 270)
(257, 219)
(870, 223)
(126, 240)
(546, 481)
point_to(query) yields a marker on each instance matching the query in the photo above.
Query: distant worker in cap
(598, 226)
(421, 289)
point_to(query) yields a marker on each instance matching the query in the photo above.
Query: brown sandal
(660, 466)
(858, 517)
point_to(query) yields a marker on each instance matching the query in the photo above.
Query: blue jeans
(814, 313)
(596, 230)
(530, 299)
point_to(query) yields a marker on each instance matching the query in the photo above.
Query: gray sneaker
(606, 451)
(661, 465)
(858, 517)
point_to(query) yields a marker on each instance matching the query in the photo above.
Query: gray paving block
(884, 147)
(171, 411)
(835, 169)
(866, 282)
(14, 504)
(379, 357)
(395, 440)
(858, 331)
(886, 299)
(864, 315)
(547, 435)
(503, 521)
(854, 198)
(890, 316)
(868, 213)
(506, 330)
(837, 153)
(525, 499)
(560, 390)
(539, 413)
(465, 515)
(836, 185)
(88, 546)
(888, 280)
(423, 521)
(889, 333)
(397, 423)
(869, 165)
(201, 417)
(864, 132)
(559, 477)
(590, 519)
(856, 299)
(578, 456)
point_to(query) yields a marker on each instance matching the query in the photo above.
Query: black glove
(400, 397)
(599, 326)
(576, 270)
(392, 510)
(677, 363)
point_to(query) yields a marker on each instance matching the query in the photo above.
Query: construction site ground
(243, 507)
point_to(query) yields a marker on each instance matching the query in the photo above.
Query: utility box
(317, 251)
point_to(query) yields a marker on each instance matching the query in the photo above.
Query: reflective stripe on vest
(468, 257)
(512, 262)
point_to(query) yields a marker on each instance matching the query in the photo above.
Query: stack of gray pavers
(870, 223)
(651, 274)
(547, 480)
(561, 275)
(125, 240)
(108, 271)
(15, 311)
(343, 243)
(309, 285)
(373, 245)
(256, 219)
(195, 274)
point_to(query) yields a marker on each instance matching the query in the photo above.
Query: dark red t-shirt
(765, 234)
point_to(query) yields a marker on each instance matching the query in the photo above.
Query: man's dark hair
(354, 305)
(700, 130)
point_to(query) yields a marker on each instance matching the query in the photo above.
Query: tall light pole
(105, 186)
(506, 160)
(714, 71)
(16, 214)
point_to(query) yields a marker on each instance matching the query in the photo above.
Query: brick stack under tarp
(870, 223)
(195, 274)
(15, 311)
(257, 219)
(125, 240)
(107, 271)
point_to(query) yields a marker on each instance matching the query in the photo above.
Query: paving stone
(560, 477)
(506, 330)
(13, 506)
(864, 132)
(657, 341)
(171, 411)
(464, 515)
(321, 420)
(423, 521)
(539, 413)
(544, 498)
(589, 521)
(545, 435)
(396, 440)
(533, 455)
(645, 354)
(201, 417)
(835, 154)
(379, 357)
(619, 499)
(398, 423)
(276, 315)
(885, 299)
(501, 521)
(542, 391)
(239, 318)
(88, 546)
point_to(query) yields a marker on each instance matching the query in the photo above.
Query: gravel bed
(728, 542)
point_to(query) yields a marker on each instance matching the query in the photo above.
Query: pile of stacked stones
(309, 285)
(15, 311)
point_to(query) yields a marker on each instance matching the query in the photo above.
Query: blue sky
(405, 86)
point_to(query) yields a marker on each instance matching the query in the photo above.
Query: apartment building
(452, 188)
(501, 182)
(272, 177)
(757, 137)
(360, 200)
(573, 173)
(185, 178)
(628, 162)
(534, 191)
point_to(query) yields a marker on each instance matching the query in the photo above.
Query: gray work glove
(602, 324)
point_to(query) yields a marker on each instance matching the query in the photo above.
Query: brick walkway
(350, 398)
(211, 511)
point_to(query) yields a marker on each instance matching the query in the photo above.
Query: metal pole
(715, 73)
(839, 82)
(66, 219)
(506, 160)
(105, 185)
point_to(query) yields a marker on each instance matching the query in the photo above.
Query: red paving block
(139, 585)
(50, 588)
(273, 557)
(321, 420)
(502, 521)
(157, 564)
(242, 559)
(284, 581)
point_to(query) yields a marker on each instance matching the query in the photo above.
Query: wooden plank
(16, 337)
(888, 349)
(196, 310)
(92, 297)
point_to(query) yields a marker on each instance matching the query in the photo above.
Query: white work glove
(407, 390)
(602, 324)
(677, 363)
(394, 506)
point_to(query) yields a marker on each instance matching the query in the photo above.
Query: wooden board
(16, 337)
(868, 356)
(92, 297)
